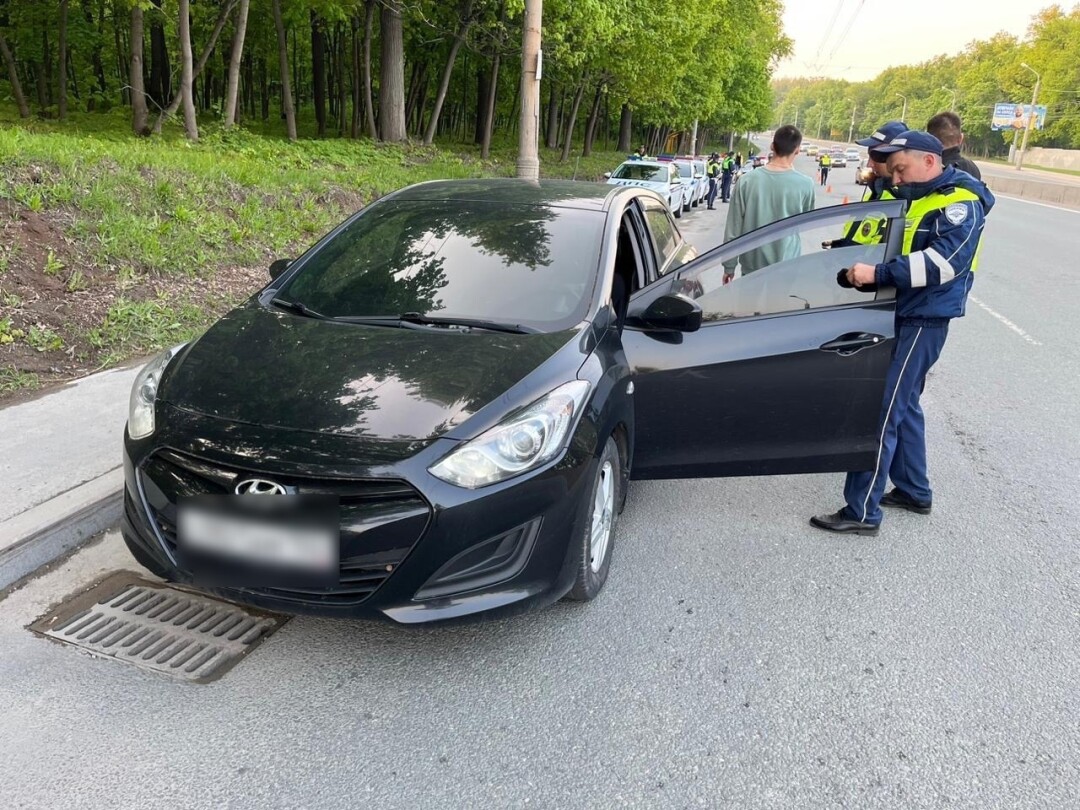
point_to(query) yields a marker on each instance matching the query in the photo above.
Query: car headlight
(521, 442)
(144, 394)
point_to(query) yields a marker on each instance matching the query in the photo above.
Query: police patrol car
(659, 176)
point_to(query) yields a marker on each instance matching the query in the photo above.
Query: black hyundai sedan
(436, 410)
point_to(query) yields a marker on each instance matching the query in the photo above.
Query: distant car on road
(811, 149)
(863, 173)
(659, 176)
(853, 155)
(838, 159)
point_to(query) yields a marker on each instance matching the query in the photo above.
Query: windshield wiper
(298, 307)
(494, 326)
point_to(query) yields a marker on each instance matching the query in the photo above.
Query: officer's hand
(862, 274)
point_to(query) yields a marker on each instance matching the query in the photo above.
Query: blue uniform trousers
(902, 443)
(725, 186)
(712, 191)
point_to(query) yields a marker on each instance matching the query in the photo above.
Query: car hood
(279, 370)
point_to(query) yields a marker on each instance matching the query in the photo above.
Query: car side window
(789, 269)
(665, 236)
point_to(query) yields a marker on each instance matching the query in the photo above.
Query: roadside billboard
(1008, 115)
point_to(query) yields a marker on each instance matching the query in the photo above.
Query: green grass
(12, 380)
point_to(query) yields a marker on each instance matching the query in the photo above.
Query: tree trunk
(444, 83)
(62, 105)
(391, 75)
(369, 107)
(46, 60)
(482, 93)
(264, 90)
(626, 122)
(123, 66)
(169, 111)
(235, 56)
(318, 71)
(552, 139)
(421, 101)
(492, 96)
(342, 104)
(354, 130)
(138, 91)
(594, 114)
(283, 64)
(419, 68)
(160, 78)
(569, 137)
(187, 72)
(13, 76)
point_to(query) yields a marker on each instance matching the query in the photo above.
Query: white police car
(660, 176)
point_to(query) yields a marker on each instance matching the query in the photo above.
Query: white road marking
(1007, 322)
(1032, 202)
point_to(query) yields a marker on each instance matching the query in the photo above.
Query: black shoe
(710, 208)
(903, 501)
(842, 524)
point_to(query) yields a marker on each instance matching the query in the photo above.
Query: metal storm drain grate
(157, 627)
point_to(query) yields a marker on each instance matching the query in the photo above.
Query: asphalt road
(737, 658)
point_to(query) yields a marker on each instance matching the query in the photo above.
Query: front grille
(381, 519)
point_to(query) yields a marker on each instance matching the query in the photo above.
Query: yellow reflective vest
(935, 202)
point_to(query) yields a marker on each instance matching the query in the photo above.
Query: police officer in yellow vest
(932, 278)
(870, 232)
(824, 162)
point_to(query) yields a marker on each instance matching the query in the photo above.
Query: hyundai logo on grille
(259, 486)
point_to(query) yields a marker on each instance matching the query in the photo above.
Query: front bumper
(413, 548)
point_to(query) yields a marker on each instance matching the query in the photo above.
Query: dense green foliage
(986, 72)
(671, 61)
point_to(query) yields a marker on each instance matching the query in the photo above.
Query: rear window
(685, 170)
(527, 265)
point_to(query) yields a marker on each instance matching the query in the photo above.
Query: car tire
(597, 541)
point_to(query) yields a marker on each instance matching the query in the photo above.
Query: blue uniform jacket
(932, 280)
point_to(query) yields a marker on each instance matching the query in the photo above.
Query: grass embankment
(113, 246)
(1007, 162)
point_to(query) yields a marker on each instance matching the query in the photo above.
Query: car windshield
(532, 266)
(642, 171)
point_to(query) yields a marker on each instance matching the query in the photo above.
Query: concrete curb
(49, 530)
(1067, 196)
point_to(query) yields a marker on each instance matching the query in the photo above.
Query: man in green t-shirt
(774, 192)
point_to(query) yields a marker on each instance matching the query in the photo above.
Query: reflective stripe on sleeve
(944, 267)
(917, 262)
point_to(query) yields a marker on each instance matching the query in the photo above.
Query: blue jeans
(902, 444)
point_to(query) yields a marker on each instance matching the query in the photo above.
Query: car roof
(579, 194)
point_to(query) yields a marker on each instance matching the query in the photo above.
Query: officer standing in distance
(713, 171)
(932, 278)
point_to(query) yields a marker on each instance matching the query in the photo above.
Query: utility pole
(820, 118)
(952, 104)
(528, 162)
(903, 115)
(796, 118)
(693, 139)
(851, 131)
(1031, 120)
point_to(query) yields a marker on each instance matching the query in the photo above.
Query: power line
(828, 33)
(851, 22)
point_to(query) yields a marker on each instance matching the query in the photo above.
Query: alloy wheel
(602, 515)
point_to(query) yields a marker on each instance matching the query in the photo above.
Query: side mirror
(279, 266)
(607, 175)
(673, 312)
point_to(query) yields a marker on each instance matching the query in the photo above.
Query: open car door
(787, 371)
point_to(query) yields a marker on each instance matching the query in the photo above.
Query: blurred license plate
(260, 540)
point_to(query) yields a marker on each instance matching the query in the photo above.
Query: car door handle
(852, 342)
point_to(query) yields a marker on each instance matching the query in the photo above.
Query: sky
(881, 34)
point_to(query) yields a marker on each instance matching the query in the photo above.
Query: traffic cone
(828, 189)
(845, 200)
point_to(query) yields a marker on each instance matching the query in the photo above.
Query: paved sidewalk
(60, 468)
